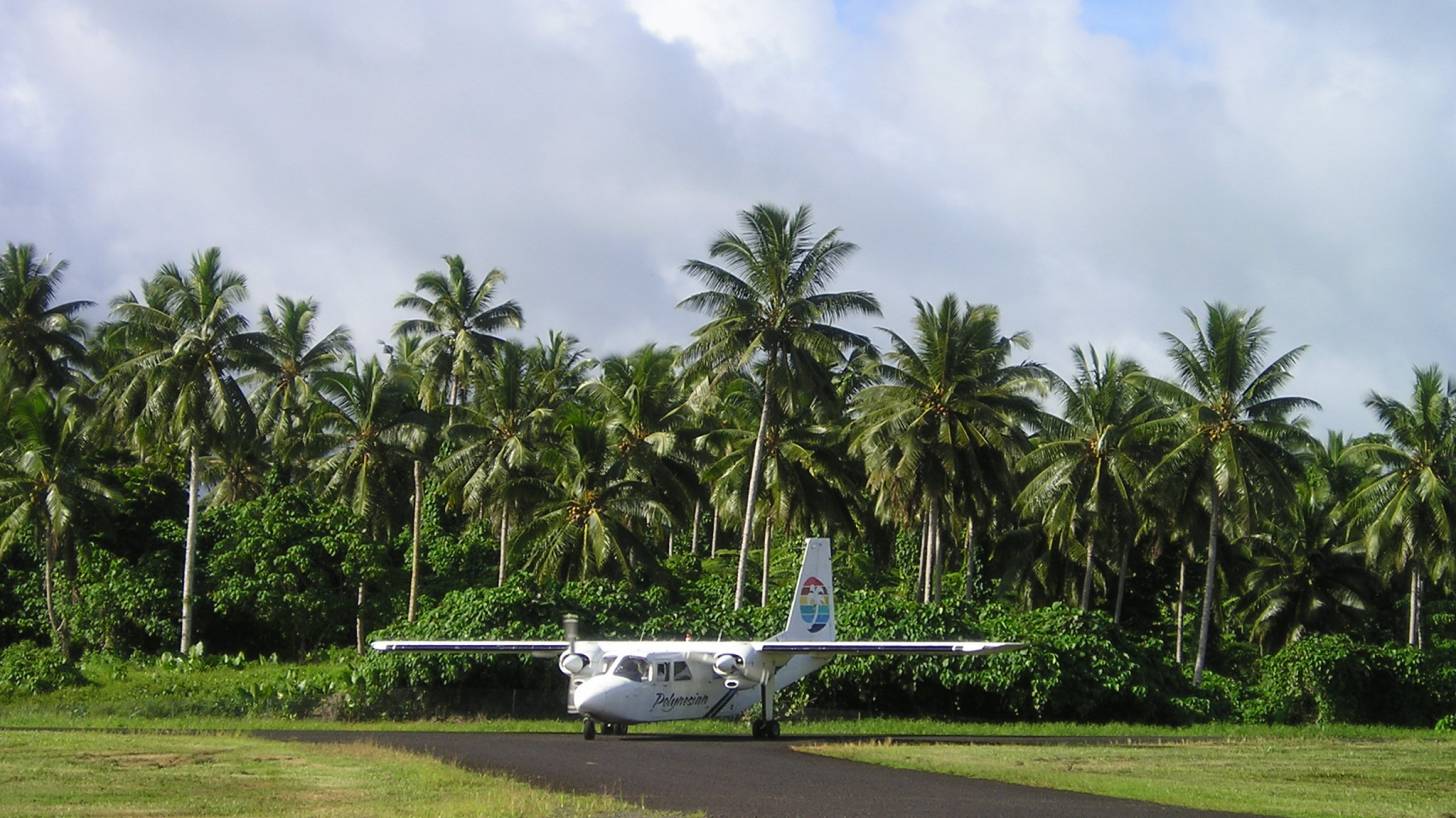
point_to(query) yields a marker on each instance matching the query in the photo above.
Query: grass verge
(1309, 777)
(94, 773)
(31, 717)
(260, 695)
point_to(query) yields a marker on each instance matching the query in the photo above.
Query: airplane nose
(601, 698)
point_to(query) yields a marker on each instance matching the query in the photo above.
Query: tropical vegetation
(288, 493)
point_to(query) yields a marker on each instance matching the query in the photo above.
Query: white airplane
(616, 683)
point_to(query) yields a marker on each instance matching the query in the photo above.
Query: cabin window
(680, 672)
(631, 667)
(661, 672)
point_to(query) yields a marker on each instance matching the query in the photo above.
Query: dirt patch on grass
(150, 760)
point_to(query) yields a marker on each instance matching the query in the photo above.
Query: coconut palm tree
(44, 485)
(1307, 577)
(1406, 507)
(496, 437)
(1230, 436)
(39, 339)
(236, 469)
(1087, 465)
(366, 425)
(647, 419)
(810, 481)
(459, 326)
(406, 366)
(1335, 467)
(282, 377)
(768, 306)
(944, 421)
(558, 365)
(178, 384)
(589, 522)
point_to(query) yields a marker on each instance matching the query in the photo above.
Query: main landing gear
(768, 726)
(609, 728)
(765, 729)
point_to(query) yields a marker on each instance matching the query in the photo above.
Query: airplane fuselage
(639, 682)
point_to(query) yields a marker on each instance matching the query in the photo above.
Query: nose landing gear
(609, 728)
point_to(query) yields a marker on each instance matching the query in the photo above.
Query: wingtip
(380, 644)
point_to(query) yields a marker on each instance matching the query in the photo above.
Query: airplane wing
(873, 648)
(542, 649)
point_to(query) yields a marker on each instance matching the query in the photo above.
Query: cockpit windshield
(631, 667)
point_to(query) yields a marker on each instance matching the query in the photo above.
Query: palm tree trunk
(1205, 625)
(415, 540)
(1087, 572)
(59, 635)
(73, 570)
(713, 545)
(763, 583)
(1413, 630)
(73, 589)
(753, 477)
(505, 532)
(1121, 582)
(697, 510)
(970, 556)
(1182, 590)
(190, 549)
(1420, 611)
(937, 554)
(359, 620)
(924, 557)
(1056, 581)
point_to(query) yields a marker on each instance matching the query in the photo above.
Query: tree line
(941, 457)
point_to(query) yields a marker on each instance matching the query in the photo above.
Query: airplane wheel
(758, 728)
(619, 729)
(588, 729)
(771, 729)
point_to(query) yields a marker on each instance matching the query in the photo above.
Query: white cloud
(1274, 153)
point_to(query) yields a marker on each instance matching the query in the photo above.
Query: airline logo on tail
(814, 604)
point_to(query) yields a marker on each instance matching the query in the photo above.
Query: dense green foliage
(26, 668)
(288, 495)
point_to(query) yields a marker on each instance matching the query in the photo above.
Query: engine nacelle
(573, 663)
(739, 670)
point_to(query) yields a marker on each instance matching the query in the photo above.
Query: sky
(1091, 167)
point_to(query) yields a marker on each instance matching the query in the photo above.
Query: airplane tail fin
(811, 612)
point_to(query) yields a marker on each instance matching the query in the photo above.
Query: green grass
(102, 774)
(158, 696)
(1310, 776)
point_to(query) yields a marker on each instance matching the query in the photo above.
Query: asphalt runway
(728, 777)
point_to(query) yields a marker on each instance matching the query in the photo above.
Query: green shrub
(27, 668)
(200, 684)
(275, 570)
(1325, 679)
(1075, 666)
(1219, 698)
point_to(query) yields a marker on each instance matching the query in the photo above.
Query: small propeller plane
(618, 683)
